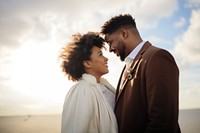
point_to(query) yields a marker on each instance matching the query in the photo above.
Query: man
(147, 92)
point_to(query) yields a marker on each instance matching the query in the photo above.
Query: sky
(32, 32)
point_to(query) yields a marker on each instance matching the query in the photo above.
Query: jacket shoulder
(153, 50)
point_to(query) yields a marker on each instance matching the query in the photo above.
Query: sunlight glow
(36, 72)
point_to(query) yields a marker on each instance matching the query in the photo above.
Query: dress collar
(89, 78)
(92, 80)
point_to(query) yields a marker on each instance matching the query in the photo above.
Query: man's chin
(117, 54)
(122, 58)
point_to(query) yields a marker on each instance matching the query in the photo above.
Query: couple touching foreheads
(146, 97)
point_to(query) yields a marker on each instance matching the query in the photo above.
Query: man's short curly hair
(116, 22)
(77, 51)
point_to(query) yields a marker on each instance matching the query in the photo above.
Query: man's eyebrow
(106, 39)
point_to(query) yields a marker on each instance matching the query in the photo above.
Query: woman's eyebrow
(99, 52)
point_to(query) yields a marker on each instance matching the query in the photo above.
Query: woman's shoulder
(80, 89)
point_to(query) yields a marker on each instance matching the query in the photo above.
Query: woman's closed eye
(100, 53)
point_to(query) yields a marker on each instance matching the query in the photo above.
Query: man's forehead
(107, 37)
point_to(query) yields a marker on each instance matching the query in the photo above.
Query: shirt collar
(134, 52)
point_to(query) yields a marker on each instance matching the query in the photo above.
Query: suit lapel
(135, 63)
(133, 67)
(119, 82)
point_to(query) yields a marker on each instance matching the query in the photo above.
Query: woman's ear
(87, 64)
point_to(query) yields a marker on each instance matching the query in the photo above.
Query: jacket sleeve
(78, 114)
(162, 93)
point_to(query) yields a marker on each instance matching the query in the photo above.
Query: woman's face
(98, 62)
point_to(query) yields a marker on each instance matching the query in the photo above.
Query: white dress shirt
(129, 59)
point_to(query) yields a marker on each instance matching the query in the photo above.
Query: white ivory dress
(88, 107)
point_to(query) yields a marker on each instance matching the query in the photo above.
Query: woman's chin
(107, 72)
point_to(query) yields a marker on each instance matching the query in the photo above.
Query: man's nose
(110, 49)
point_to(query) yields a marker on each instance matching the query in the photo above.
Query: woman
(88, 107)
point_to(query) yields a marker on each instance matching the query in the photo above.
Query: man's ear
(124, 33)
(87, 64)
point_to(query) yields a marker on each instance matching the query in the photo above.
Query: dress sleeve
(78, 114)
(162, 93)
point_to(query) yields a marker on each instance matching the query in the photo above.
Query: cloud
(21, 18)
(147, 13)
(39, 22)
(192, 3)
(12, 32)
(150, 12)
(180, 23)
(187, 46)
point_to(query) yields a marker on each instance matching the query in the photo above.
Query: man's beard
(122, 55)
(121, 50)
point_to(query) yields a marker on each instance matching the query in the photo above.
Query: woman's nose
(106, 58)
